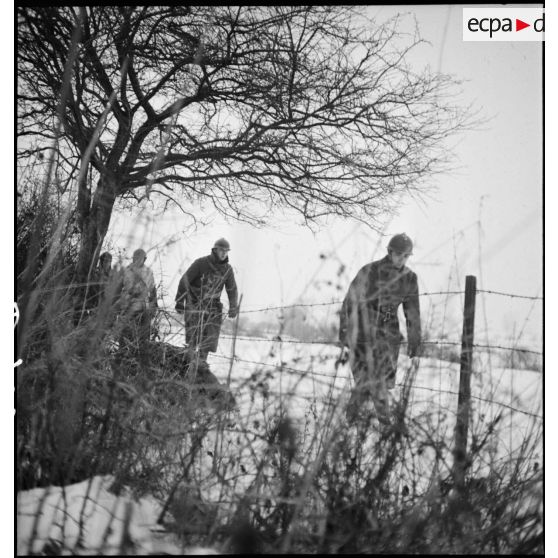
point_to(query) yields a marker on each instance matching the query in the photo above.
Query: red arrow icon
(519, 25)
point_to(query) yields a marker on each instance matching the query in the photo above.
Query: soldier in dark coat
(198, 297)
(369, 327)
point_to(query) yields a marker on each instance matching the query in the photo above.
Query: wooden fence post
(464, 400)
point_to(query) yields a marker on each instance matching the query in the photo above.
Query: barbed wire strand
(437, 390)
(334, 302)
(335, 343)
(432, 293)
(510, 294)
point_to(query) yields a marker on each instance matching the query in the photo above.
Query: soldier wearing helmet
(369, 326)
(198, 297)
(137, 304)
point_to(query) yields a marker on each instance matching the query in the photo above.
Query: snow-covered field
(302, 378)
(297, 380)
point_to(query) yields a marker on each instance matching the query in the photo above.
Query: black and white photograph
(279, 279)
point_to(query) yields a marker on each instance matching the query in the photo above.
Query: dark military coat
(203, 283)
(369, 310)
(199, 292)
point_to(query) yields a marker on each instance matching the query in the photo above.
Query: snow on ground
(88, 519)
(308, 376)
(301, 381)
(54, 516)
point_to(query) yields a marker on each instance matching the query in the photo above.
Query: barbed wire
(510, 294)
(331, 342)
(478, 398)
(530, 351)
(282, 367)
(337, 376)
(337, 302)
(334, 302)
(280, 340)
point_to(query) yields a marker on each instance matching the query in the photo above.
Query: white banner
(503, 24)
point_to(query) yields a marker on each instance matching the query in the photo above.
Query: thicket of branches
(309, 108)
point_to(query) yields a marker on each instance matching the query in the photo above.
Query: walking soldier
(198, 297)
(369, 326)
(137, 304)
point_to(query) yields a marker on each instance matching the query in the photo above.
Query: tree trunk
(94, 225)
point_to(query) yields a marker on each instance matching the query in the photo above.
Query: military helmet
(401, 243)
(139, 254)
(105, 256)
(222, 243)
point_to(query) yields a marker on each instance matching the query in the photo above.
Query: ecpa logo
(503, 24)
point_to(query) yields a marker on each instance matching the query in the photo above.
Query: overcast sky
(484, 219)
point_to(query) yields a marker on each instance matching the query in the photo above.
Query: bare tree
(311, 108)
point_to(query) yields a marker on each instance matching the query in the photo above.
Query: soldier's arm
(232, 293)
(193, 272)
(183, 291)
(349, 309)
(411, 309)
(182, 294)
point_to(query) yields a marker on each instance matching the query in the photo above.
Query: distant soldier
(198, 297)
(369, 327)
(137, 303)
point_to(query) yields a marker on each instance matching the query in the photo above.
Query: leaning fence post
(464, 399)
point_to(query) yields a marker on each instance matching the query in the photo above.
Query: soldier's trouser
(374, 368)
(203, 328)
(386, 354)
